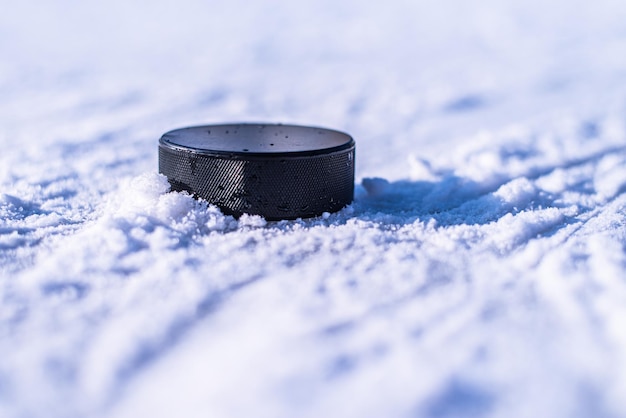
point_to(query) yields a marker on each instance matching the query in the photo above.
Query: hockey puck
(276, 171)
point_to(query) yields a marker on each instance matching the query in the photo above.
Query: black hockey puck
(276, 171)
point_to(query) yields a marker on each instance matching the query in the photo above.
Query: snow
(479, 272)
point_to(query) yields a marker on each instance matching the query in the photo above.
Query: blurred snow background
(480, 271)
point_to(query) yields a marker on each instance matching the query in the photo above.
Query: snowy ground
(480, 271)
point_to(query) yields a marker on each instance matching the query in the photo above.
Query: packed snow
(479, 272)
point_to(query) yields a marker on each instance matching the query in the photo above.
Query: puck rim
(241, 154)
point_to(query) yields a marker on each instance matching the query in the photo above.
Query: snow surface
(479, 272)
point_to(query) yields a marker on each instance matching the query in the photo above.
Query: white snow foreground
(440, 297)
(480, 271)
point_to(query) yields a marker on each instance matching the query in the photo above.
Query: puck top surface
(264, 139)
